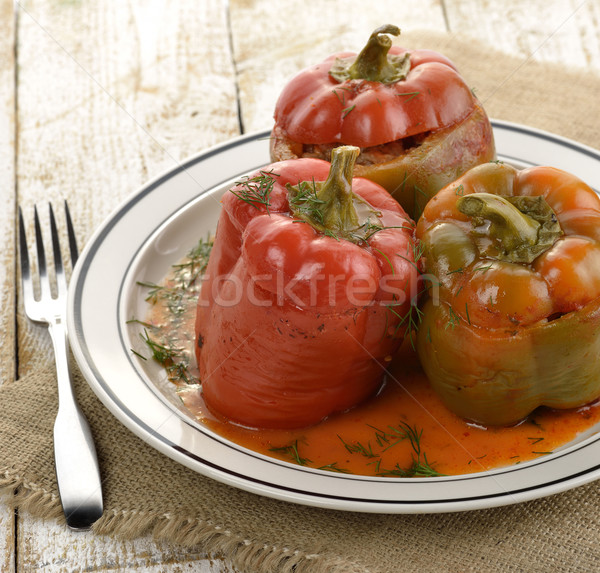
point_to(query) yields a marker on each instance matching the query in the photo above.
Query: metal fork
(77, 469)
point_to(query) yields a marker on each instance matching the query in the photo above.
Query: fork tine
(71, 233)
(61, 281)
(24, 260)
(41, 253)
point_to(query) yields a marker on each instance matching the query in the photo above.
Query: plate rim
(191, 459)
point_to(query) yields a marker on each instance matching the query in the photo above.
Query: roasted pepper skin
(500, 338)
(432, 96)
(288, 357)
(440, 124)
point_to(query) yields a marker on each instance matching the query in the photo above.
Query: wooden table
(98, 97)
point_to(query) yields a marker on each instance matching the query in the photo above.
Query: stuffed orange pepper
(513, 317)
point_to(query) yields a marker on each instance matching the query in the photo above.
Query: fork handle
(77, 469)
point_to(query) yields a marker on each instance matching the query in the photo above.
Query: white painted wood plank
(7, 190)
(7, 277)
(562, 31)
(272, 44)
(46, 546)
(110, 95)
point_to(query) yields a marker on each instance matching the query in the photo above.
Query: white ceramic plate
(154, 228)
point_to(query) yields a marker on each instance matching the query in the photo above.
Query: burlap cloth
(147, 493)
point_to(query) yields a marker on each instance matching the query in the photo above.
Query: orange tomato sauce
(364, 440)
(404, 430)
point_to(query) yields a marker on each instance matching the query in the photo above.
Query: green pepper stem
(338, 211)
(331, 206)
(520, 228)
(374, 63)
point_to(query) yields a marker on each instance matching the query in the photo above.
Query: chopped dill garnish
(453, 319)
(341, 99)
(176, 295)
(194, 265)
(358, 448)
(412, 320)
(171, 358)
(334, 468)
(535, 423)
(347, 110)
(387, 259)
(412, 263)
(411, 95)
(417, 252)
(385, 439)
(161, 353)
(142, 323)
(420, 466)
(255, 191)
(304, 200)
(370, 228)
(404, 179)
(291, 450)
(418, 249)
(154, 291)
(377, 465)
(330, 233)
(138, 354)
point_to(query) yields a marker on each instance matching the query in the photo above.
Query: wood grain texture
(564, 31)
(112, 94)
(7, 238)
(7, 190)
(271, 45)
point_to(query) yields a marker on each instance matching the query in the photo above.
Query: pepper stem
(330, 206)
(338, 211)
(374, 63)
(520, 228)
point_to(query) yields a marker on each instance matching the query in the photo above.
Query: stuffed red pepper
(307, 293)
(416, 121)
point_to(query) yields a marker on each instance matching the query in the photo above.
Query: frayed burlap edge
(18, 494)
(243, 554)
